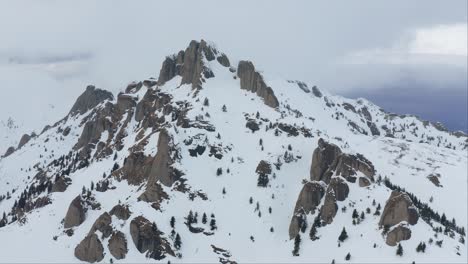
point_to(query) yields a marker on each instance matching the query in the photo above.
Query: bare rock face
(148, 238)
(161, 167)
(61, 184)
(189, 64)
(89, 99)
(76, 213)
(398, 234)
(120, 211)
(90, 249)
(263, 168)
(329, 207)
(223, 60)
(339, 187)
(363, 182)
(9, 151)
(398, 208)
(252, 81)
(154, 193)
(24, 140)
(328, 160)
(102, 224)
(93, 129)
(324, 160)
(118, 245)
(308, 200)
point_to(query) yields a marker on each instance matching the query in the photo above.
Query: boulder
(398, 234)
(61, 184)
(118, 245)
(90, 99)
(339, 187)
(148, 239)
(252, 125)
(398, 208)
(76, 213)
(363, 182)
(121, 212)
(223, 60)
(102, 224)
(263, 168)
(434, 178)
(90, 249)
(252, 81)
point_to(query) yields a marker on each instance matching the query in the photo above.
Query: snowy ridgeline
(215, 162)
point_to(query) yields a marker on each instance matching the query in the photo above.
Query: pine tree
(190, 218)
(177, 242)
(399, 251)
(348, 256)
(251, 200)
(204, 220)
(343, 236)
(313, 233)
(173, 222)
(224, 108)
(355, 214)
(224, 190)
(297, 243)
(213, 224)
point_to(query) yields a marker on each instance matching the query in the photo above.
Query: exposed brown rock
(223, 60)
(252, 81)
(263, 168)
(24, 140)
(339, 187)
(398, 234)
(154, 193)
(125, 102)
(118, 245)
(308, 200)
(9, 151)
(76, 213)
(89, 99)
(120, 211)
(398, 208)
(329, 207)
(324, 160)
(363, 182)
(134, 87)
(161, 167)
(147, 238)
(90, 249)
(61, 184)
(102, 224)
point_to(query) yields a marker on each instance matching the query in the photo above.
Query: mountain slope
(213, 135)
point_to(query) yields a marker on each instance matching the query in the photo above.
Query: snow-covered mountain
(215, 161)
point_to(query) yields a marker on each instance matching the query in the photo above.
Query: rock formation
(121, 212)
(76, 213)
(118, 245)
(148, 239)
(398, 208)
(102, 224)
(89, 99)
(329, 207)
(90, 249)
(398, 234)
(252, 81)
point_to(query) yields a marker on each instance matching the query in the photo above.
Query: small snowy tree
(343, 236)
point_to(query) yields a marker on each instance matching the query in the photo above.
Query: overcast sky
(401, 54)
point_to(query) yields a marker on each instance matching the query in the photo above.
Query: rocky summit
(213, 160)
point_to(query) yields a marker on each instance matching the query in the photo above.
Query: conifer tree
(343, 236)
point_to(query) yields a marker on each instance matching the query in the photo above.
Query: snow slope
(413, 151)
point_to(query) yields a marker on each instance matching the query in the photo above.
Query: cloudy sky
(406, 56)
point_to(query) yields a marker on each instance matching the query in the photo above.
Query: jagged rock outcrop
(398, 234)
(339, 187)
(61, 184)
(154, 193)
(24, 140)
(308, 200)
(122, 212)
(364, 182)
(329, 207)
(148, 239)
(223, 60)
(252, 81)
(89, 99)
(324, 160)
(90, 249)
(102, 224)
(328, 160)
(76, 213)
(398, 208)
(263, 168)
(434, 178)
(9, 151)
(189, 64)
(118, 245)
(93, 129)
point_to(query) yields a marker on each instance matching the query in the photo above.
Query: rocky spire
(252, 81)
(89, 99)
